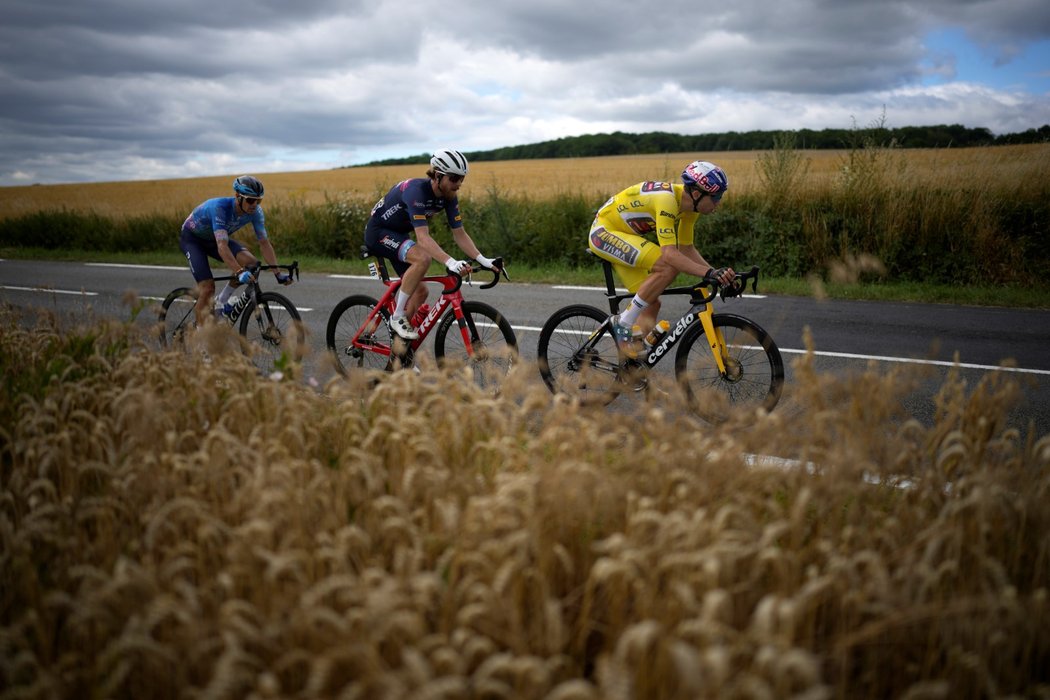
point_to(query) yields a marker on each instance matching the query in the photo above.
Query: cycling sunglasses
(454, 178)
(252, 200)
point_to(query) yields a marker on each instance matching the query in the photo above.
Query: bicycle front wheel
(176, 317)
(493, 345)
(578, 357)
(274, 331)
(372, 348)
(754, 376)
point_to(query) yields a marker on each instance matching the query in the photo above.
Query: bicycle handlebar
(733, 289)
(293, 269)
(497, 269)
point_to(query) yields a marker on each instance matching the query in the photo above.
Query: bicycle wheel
(274, 331)
(176, 317)
(754, 369)
(372, 350)
(574, 360)
(492, 339)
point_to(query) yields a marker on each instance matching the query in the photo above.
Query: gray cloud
(116, 90)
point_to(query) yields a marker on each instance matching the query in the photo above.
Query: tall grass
(175, 529)
(949, 217)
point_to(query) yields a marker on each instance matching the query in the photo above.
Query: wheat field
(177, 529)
(597, 177)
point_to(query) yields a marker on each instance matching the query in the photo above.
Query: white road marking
(140, 267)
(788, 351)
(47, 290)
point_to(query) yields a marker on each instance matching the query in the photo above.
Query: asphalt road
(847, 336)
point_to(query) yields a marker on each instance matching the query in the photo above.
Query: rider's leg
(412, 293)
(202, 310)
(197, 253)
(244, 259)
(644, 307)
(659, 279)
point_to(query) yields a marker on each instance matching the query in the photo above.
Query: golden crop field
(538, 179)
(177, 529)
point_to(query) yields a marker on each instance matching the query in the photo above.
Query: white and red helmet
(707, 177)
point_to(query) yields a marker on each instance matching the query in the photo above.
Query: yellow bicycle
(723, 361)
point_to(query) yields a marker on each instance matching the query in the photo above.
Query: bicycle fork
(715, 339)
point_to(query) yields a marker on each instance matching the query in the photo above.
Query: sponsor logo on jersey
(614, 246)
(390, 212)
(648, 187)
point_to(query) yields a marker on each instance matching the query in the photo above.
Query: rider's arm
(425, 241)
(465, 243)
(223, 244)
(687, 259)
(266, 248)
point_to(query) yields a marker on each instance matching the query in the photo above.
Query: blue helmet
(248, 186)
(707, 177)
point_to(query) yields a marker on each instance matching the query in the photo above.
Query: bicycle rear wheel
(575, 359)
(274, 331)
(372, 349)
(754, 375)
(492, 340)
(176, 317)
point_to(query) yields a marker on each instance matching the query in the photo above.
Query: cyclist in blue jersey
(206, 234)
(406, 209)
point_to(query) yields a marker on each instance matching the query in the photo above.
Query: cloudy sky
(99, 90)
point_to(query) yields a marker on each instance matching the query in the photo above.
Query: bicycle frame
(702, 311)
(253, 288)
(450, 296)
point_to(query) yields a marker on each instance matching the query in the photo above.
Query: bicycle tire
(343, 323)
(274, 331)
(755, 369)
(570, 364)
(177, 317)
(493, 341)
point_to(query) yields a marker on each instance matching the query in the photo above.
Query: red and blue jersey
(410, 204)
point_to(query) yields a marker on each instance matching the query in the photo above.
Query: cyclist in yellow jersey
(624, 230)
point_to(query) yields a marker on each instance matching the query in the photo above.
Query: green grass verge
(1016, 297)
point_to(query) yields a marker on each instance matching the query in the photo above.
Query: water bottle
(657, 333)
(421, 313)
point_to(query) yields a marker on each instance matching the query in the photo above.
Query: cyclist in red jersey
(407, 209)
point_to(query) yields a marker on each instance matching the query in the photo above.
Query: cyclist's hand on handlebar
(490, 263)
(722, 276)
(458, 267)
(244, 276)
(283, 278)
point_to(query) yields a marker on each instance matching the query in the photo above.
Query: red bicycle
(359, 334)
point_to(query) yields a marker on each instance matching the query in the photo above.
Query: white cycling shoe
(403, 328)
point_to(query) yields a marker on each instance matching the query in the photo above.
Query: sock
(402, 299)
(637, 306)
(224, 295)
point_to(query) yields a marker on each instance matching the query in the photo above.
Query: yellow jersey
(650, 209)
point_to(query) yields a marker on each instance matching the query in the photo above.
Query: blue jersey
(217, 218)
(410, 204)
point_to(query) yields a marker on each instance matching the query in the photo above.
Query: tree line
(621, 143)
